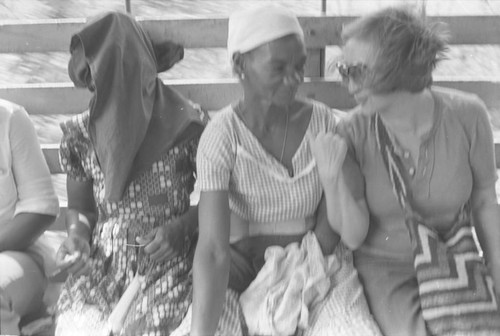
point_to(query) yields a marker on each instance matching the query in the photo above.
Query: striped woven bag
(456, 291)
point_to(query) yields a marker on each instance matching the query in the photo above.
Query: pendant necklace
(239, 110)
(284, 138)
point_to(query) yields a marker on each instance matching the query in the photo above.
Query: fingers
(146, 239)
(160, 248)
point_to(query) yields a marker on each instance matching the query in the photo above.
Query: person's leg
(391, 290)
(22, 286)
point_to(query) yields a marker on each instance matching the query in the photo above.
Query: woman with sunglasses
(441, 137)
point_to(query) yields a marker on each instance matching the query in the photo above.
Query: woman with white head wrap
(260, 187)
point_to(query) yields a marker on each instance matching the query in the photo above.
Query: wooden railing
(320, 32)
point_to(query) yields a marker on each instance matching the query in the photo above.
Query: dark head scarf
(134, 117)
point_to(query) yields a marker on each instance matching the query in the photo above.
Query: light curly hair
(407, 48)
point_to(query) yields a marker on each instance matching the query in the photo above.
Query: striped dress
(261, 190)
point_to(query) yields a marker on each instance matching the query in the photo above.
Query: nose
(293, 78)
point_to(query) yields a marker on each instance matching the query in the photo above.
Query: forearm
(326, 236)
(80, 223)
(347, 216)
(211, 274)
(19, 233)
(190, 221)
(487, 224)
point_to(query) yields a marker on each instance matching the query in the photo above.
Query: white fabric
(241, 228)
(25, 182)
(251, 28)
(293, 280)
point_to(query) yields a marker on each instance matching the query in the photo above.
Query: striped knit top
(260, 189)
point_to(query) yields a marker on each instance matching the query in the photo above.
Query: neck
(262, 114)
(406, 111)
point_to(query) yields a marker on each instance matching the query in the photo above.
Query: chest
(439, 179)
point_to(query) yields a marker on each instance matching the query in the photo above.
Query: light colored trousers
(22, 286)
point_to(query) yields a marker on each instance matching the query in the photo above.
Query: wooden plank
(214, 94)
(497, 154)
(320, 31)
(315, 66)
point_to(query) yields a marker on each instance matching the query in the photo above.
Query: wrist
(80, 230)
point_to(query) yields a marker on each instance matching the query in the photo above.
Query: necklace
(284, 138)
(238, 110)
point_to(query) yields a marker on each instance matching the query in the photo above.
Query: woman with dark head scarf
(130, 162)
(424, 156)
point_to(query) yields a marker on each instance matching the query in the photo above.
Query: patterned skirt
(160, 304)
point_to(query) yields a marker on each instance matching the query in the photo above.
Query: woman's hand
(73, 256)
(329, 151)
(164, 242)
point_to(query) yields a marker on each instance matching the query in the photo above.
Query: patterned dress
(156, 197)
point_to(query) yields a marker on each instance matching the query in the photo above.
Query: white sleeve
(33, 181)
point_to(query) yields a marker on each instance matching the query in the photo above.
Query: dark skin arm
(80, 221)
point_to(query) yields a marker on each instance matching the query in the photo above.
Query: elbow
(352, 244)
(217, 257)
(353, 240)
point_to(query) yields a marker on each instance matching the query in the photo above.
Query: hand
(329, 151)
(164, 242)
(73, 256)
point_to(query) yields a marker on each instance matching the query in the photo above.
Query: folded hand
(329, 151)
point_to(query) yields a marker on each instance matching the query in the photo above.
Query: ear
(238, 64)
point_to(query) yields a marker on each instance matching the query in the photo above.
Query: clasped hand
(329, 151)
(73, 256)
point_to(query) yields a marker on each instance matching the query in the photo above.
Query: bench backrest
(320, 32)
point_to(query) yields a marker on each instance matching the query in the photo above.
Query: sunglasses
(354, 72)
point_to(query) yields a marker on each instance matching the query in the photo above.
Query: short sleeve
(482, 150)
(216, 156)
(73, 150)
(33, 181)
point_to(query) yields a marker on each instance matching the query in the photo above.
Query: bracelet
(83, 219)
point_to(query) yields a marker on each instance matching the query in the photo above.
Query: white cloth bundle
(292, 282)
(251, 28)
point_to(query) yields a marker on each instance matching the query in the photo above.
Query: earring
(242, 75)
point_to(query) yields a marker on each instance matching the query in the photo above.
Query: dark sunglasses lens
(343, 70)
(356, 72)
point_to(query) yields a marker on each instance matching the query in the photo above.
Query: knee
(22, 282)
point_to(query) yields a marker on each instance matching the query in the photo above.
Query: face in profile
(357, 62)
(275, 70)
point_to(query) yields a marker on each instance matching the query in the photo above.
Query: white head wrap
(251, 28)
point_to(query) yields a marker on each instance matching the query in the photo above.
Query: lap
(392, 293)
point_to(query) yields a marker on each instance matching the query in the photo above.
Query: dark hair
(407, 48)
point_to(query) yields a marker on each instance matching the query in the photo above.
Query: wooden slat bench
(320, 31)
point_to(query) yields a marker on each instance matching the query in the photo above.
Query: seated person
(444, 155)
(28, 205)
(130, 163)
(261, 191)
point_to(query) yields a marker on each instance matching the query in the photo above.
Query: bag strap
(393, 164)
